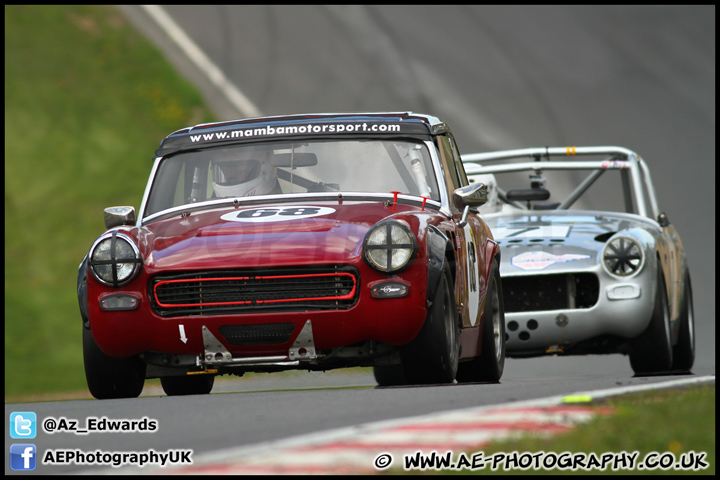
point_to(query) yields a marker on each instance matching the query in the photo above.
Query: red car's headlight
(389, 247)
(114, 259)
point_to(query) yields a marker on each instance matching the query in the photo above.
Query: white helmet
(235, 176)
(492, 193)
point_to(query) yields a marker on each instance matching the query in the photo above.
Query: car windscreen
(357, 165)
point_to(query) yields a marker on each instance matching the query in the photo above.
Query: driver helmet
(492, 192)
(242, 173)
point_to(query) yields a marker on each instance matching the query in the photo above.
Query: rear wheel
(489, 366)
(684, 350)
(109, 377)
(188, 385)
(652, 352)
(432, 357)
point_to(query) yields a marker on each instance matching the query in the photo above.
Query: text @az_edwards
(98, 424)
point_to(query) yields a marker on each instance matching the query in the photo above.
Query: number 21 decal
(276, 214)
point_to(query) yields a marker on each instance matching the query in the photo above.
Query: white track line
(202, 62)
(352, 450)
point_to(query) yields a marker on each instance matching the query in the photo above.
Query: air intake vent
(263, 334)
(235, 292)
(550, 292)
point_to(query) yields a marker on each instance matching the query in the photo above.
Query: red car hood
(228, 238)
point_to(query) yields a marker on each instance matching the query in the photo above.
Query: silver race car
(583, 280)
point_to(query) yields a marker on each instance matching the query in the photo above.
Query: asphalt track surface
(501, 77)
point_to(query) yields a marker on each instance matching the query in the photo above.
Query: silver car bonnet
(554, 241)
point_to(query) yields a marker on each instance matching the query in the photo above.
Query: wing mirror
(473, 195)
(663, 220)
(119, 216)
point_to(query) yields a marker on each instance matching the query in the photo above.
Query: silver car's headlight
(114, 259)
(623, 256)
(389, 246)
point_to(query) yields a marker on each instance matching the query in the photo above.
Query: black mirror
(528, 195)
(292, 160)
(473, 195)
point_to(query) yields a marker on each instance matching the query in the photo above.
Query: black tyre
(390, 375)
(109, 377)
(432, 357)
(489, 366)
(188, 385)
(684, 350)
(651, 352)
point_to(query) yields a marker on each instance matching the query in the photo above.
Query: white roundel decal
(276, 214)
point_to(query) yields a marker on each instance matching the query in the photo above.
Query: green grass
(663, 421)
(87, 101)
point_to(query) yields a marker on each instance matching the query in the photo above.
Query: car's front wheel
(432, 357)
(489, 366)
(684, 350)
(651, 352)
(389, 375)
(188, 385)
(109, 377)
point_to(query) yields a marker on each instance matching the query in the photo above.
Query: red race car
(299, 242)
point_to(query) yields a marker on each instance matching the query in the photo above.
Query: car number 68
(277, 214)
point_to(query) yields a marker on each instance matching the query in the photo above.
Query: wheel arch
(82, 292)
(440, 251)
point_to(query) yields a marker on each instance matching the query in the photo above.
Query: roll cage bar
(634, 172)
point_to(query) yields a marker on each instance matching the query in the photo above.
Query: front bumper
(623, 309)
(260, 334)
